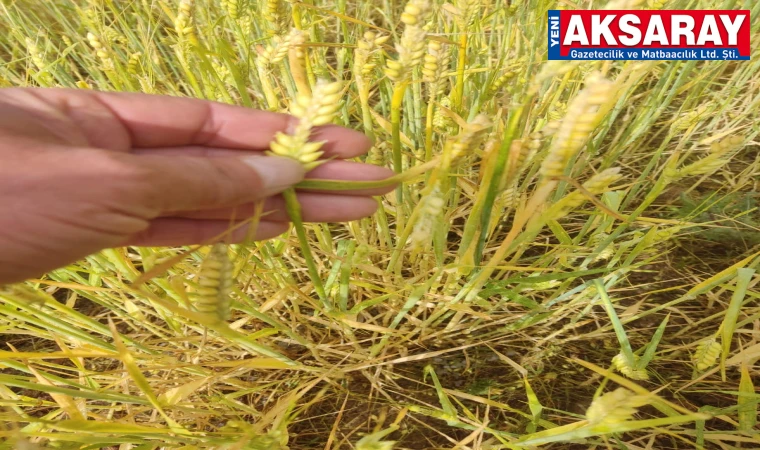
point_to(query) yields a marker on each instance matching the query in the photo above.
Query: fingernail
(276, 173)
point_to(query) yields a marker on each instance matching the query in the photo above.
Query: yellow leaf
(181, 392)
(92, 426)
(366, 326)
(747, 402)
(386, 126)
(55, 355)
(67, 404)
(133, 310)
(534, 404)
(142, 383)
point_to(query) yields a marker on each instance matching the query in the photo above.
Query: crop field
(570, 259)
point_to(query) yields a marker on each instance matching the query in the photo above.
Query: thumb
(188, 183)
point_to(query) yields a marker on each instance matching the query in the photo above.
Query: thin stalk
(485, 213)
(417, 102)
(461, 62)
(396, 103)
(467, 244)
(334, 185)
(266, 86)
(294, 212)
(382, 221)
(401, 242)
(429, 130)
(366, 113)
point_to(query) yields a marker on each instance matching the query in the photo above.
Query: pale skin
(81, 171)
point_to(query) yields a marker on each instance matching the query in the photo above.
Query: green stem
(382, 221)
(366, 112)
(272, 101)
(493, 188)
(466, 250)
(396, 131)
(417, 102)
(335, 185)
(461, 62)
(429, 130)
(396, 103)
(401, 243)
(294, 211)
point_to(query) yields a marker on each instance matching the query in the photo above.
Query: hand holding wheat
(83, 171)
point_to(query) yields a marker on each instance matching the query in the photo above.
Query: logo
(649, 35)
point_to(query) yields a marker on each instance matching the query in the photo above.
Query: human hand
(81, 171)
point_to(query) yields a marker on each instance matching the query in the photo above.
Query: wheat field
(570, 259)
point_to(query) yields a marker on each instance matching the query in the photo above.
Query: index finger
(154, 121)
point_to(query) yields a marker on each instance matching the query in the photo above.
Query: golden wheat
(212, 296)
(706, 354)
(312, 111)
